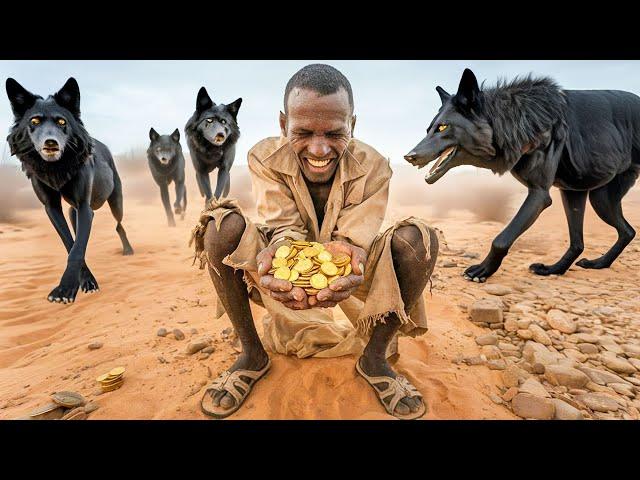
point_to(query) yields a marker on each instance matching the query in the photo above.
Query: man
(317, 183)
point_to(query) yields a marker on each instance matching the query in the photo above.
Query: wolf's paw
(177, 210)
(88, 283)
(545, 270)
(477, 273)
(63, 294)
(127, 250)
(595, 264)
(172, 222)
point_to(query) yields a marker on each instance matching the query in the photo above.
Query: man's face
(319, 129)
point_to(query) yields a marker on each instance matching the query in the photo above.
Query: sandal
(229, 382)
(398, 388)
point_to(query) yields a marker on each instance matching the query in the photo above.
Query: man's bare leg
(413, 273)
(232, 291)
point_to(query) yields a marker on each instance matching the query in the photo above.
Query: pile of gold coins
(111, 381)
(309, 265)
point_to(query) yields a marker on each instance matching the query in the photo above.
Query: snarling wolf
(63, 161)
(166, 163)
(212, 133)
(585, 142)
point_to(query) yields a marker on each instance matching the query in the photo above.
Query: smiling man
(318, 183)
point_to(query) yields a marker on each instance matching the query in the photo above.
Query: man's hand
(342, 288)
(282, 290)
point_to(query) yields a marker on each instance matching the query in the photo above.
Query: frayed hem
(365, 325)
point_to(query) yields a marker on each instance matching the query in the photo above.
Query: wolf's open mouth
(219, 138)
(439, 166)
(50, 151)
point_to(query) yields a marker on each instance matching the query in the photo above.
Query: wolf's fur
(585, 142)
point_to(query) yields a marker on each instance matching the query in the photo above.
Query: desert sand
(44, 347)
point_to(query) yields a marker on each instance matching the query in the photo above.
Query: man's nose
(319, 148)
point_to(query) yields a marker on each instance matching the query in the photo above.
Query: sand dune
(44, 347)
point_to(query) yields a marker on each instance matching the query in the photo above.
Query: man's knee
(220, 242)
(407, 247)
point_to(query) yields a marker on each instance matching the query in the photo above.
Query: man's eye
(35, 121)
(62, 122)
(442, 127)
(209, 120)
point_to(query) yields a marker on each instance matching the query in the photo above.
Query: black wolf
(166, 163)
(585, 142)
(63, 161)
(212, 133)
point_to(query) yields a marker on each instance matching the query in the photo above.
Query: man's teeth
(318, 163)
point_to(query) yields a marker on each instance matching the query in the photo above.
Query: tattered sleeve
(275, 202)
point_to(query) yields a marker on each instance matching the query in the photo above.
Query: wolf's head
(217, 124)
(458, 135)
(47, 127)
(164, 148)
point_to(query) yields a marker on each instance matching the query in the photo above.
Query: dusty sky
(394, 100)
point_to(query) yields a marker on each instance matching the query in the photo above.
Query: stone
(177, 333)
(539, 335)
(497, 289)
(496, 399)
(588, 348)
(525, 334)
(489, 339)
(210, 349)
(486, 311)
(575, 355)
(600, 377)
(534, 387)
(95, 345)
(498, 364)
(565, 376)
(512, 375)
(511, 325)
(534, 352)
(583, 338)
(162, 332)
(564, 411)
(623, 389)
(491, 352)
(90, 407)
(196, 345)
(510, 393)
(476, 360)
(632, 350)
(531, 406)
(635, 362)
(560, 321)
(598, 402)
(619, 365)
(523, 323)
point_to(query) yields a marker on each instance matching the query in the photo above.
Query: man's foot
(407, 399)
(229, 390)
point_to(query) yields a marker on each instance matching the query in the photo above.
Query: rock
(489, 339)
(619, 365)
(511, 325)
(449, 264)
(565, 376)
(583, 338)
(564, 411)
(530, 406)
(539, 335)
(598, 402)
(623, 389)
(486, 311)
(95, 345)
(75, 414)
(90, 407)
(498, 364)
(177, 333)
(161, 359)
(162, 332)
(525, 334)
(635, 362)
(496, 399)
(523, 324)
(560, 321)
(194, 331)
(600, 377)
(226, 332)
(575, 355)
(210, 349)
(497, 289)
(476, 360)
(588, 348)
(534, 387)
(491, 352)
(632, 350)
(537, 353)
(512, 375)
(196, 345)
(509, 394)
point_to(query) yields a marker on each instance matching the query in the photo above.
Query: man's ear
(203, 102)
(21, 99)
(283, 124)
(444, 96)
(69, 97)
(175, 136)
(153, 135)
(468, 95)
(353, 124)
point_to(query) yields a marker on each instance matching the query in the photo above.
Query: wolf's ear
(153, 135)
(444, 96)
(175, 136)
(203, 101)
(21, 99)
(69, 97)
(468, 91)
(234, 107)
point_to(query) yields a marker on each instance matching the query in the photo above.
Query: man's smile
(318, 166)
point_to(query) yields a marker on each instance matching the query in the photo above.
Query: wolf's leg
(177, 205)
(606, 201)
(205, 186)
(164, 195)
(115, 204)
(223, 182)
(537, 200)
(73, 218)
(574, 204)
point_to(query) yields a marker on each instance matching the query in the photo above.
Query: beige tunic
(354, 213)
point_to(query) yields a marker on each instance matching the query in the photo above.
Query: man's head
(318, 119)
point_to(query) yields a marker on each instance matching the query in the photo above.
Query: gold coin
(303, 265)
(319, 281)
(328, 268)
(293, 276)
(117, 371)
(282, 273)
(311, 251)
(330, 280)
(102, 378)
(317, 245)
(325, 256)
(293, 253)
(283, 252)
(341, 259)
(311, 291)
(113, 387)
(347, 270)
(279, 262)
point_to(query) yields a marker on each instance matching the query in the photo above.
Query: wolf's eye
(209, 120)
(62, 122)
(442, 127)
(223, 121)
(35, 121)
